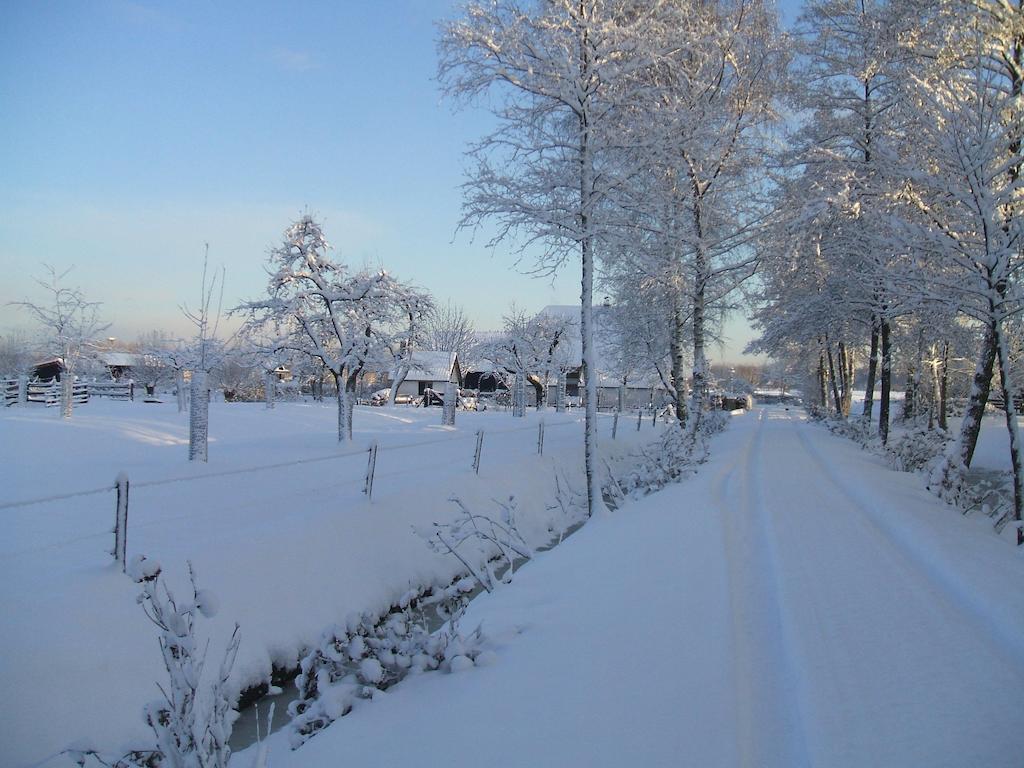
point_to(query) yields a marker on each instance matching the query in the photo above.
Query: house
(636, 388)
(430, 369)
(120, 363)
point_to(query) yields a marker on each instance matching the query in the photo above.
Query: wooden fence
(47, 391)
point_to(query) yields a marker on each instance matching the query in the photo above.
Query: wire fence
(348, 474)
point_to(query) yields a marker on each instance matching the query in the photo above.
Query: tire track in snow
(927, 564)
(770, 722)
(875, 634)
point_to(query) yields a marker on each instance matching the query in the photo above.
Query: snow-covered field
(289, 549)
(795, 603)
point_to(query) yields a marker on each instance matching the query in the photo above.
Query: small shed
(120, 363)
(431, 369)
(48, 369)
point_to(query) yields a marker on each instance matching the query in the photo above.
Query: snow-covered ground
(796, 603)
(993, 449)
(289, 549)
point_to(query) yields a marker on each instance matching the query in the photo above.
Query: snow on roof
(120, 359)
(431, 365)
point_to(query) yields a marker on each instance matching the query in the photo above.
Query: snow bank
(288, 550)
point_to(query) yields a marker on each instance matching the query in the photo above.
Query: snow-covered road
(795, 604)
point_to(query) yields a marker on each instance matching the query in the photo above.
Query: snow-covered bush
(666, 461)
(858, 430)
(191, 724)
(917, 448)
(369, 654)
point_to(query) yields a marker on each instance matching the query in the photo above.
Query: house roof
(120, 359)
(431, 365)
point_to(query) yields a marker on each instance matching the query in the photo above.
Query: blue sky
(132, 133)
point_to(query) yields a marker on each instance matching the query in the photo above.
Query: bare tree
(447, 328)
(206, 352)
(71, 323)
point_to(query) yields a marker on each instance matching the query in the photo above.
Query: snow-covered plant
(191, 723)
(570, 504)
(369, 654)
(917, 448)
(488, 548)
(668, 460)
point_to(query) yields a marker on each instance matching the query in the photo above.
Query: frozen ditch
(255, 702)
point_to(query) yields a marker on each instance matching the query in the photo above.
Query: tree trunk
(944, 386)
(883, 404)
(181, 392)
(832, 376)
(269, 380)
(678, 363)
(451, 396)
(980, 386)
(344, 400)
(398, 375)
(851, 370)
(700, 366)
(199, 417)
(67, 394)
(1011, 427)
(822, 392)
(539, 391)
(869, 391)
(560, 393)
(595, 502)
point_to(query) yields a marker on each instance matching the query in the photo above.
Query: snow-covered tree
(205, 351)
(415, 307)
(965, 191)
(70, 323)
(558, 69)
(532, 349)
(316, 308)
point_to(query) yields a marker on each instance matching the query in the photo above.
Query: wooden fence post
(371, 469)
(639, 418)
(479, 450)
(615, 424)
(540, 437)
(121, 524)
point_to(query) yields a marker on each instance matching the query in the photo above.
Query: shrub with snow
(192, 723)
(670, 459)
(370, 654)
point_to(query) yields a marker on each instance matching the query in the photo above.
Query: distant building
(120, 364)
(431, 369)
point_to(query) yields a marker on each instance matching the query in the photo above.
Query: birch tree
(707, 117)
(966, 194)
(556, 70)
